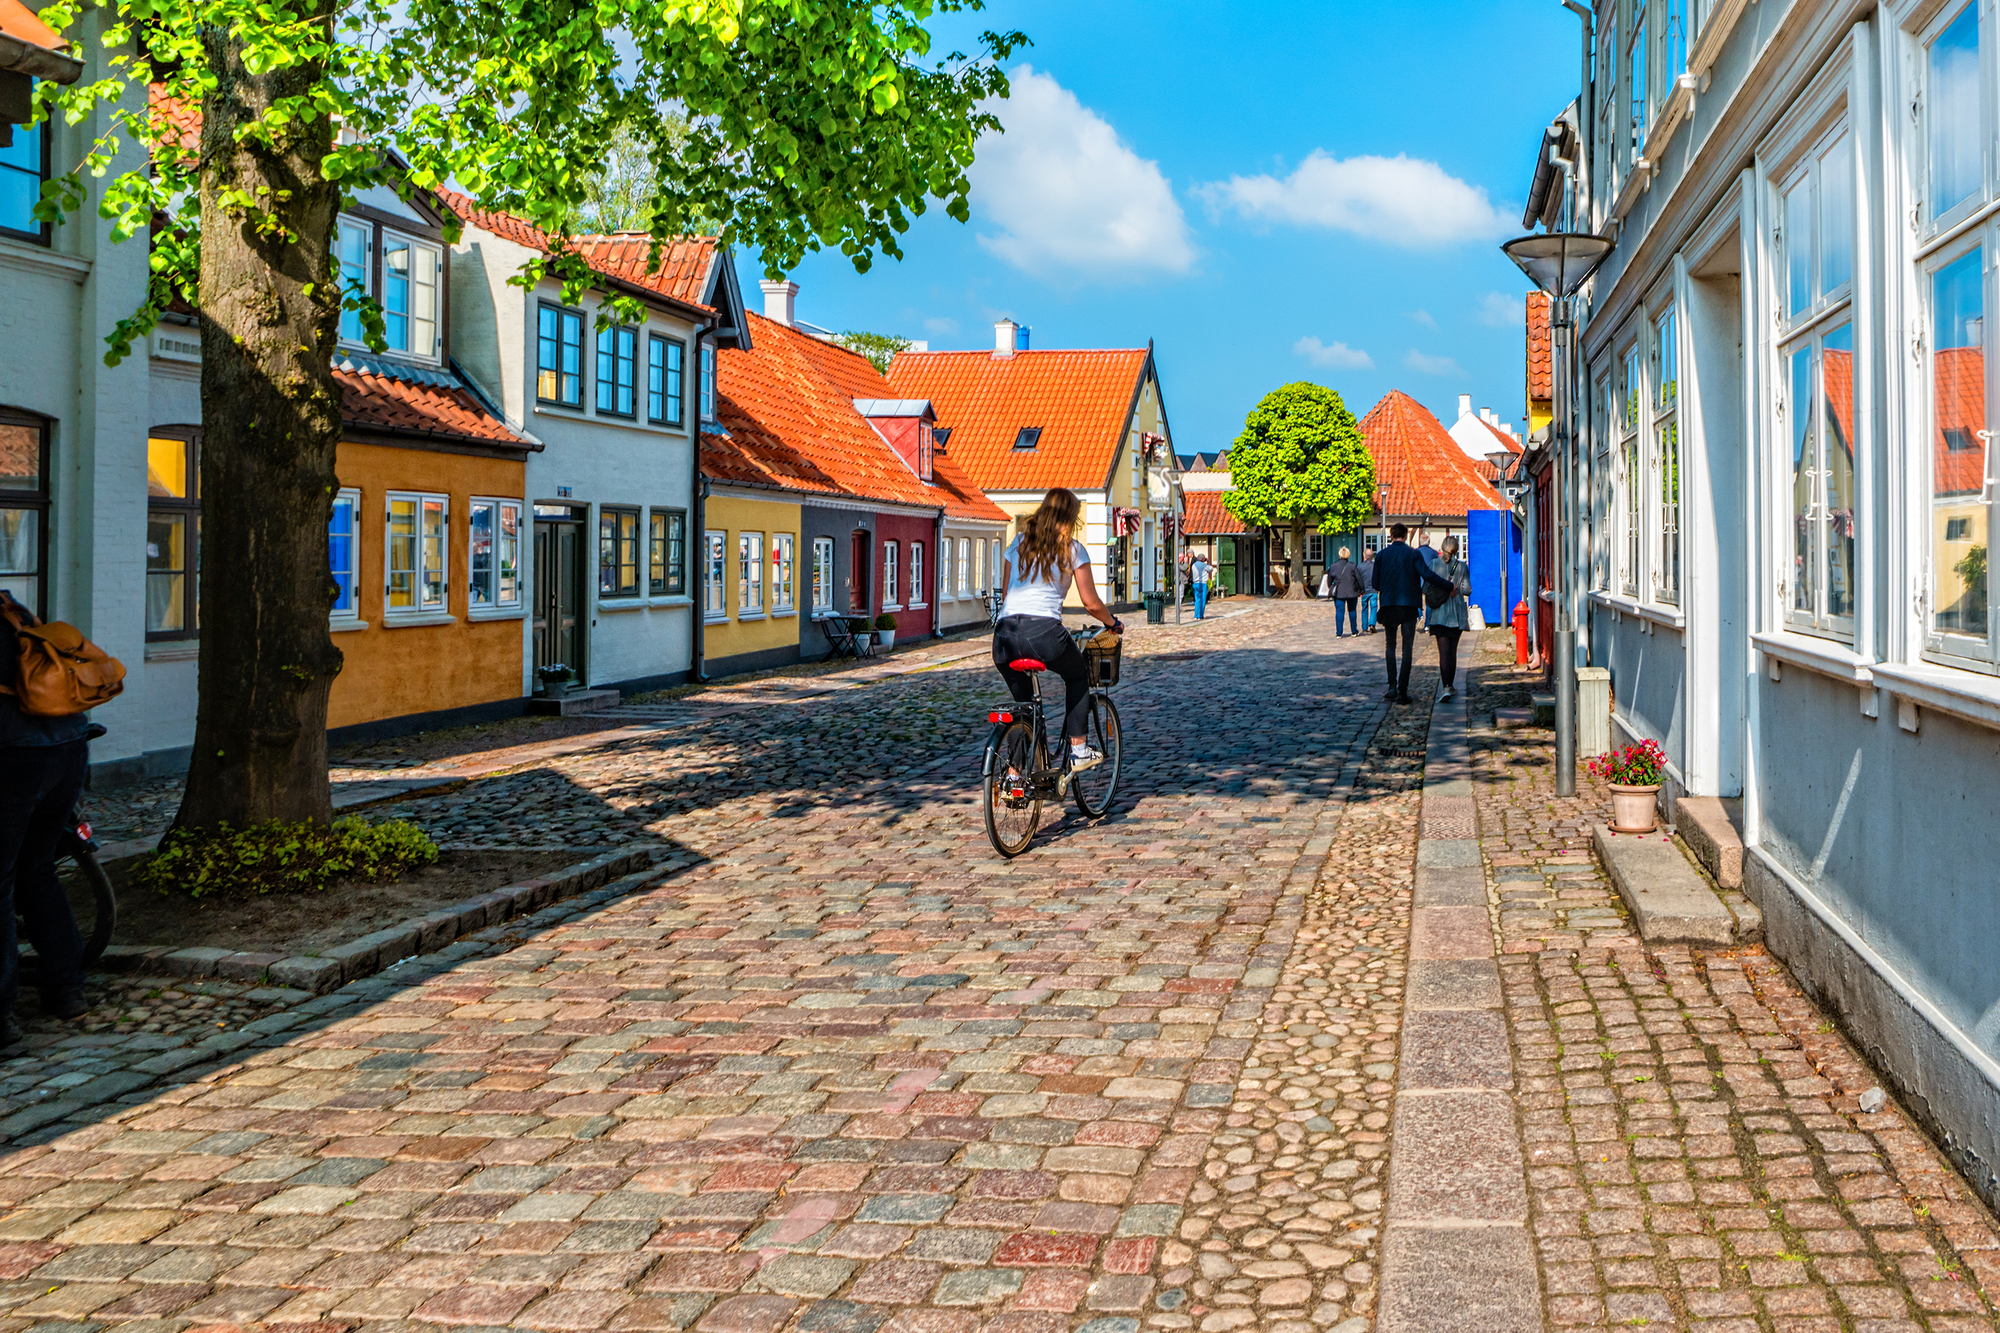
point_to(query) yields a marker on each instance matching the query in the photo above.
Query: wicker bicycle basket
(1104, 660)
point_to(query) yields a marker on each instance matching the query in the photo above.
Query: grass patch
(284, 858)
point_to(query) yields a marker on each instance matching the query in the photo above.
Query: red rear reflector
(997, 716)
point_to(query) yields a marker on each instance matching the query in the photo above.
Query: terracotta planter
(1635, 809)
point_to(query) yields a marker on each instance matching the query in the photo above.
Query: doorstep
(1669, 900)
(573, 703)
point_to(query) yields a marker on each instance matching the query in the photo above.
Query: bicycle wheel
(1093, 788)
(1011, 821)
(93, 903)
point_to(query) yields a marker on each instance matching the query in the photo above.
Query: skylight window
(1028, 438)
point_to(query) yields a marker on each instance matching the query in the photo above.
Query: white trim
(184, 651)
(894, 606)
(1671, 616)
(337, 625)
(784, 615)
(744, 617)
(41, 260)
(1812, 653)
(479, 614)
(1709, 40)
(419, 621)
(609, 605)
(1963, 694)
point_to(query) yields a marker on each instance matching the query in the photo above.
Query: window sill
(671, 599)
(715, 620)
(788, 613)
(26, 254)
(1970, 695)
(1670, 616)
(174, 650)
(544, 405)
(345, 625)
(742, 616)
(497, 613)
(892, 606)
(607, 605)
(419, 621)
(1811, 653)
(918, 606)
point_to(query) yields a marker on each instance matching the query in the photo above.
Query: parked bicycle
(96, 905)
(1021, 769)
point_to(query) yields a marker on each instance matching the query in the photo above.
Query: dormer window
(405, 283)
(924, 446)
(1028, 438)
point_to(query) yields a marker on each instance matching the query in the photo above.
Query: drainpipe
(698, 529)
(936, 575)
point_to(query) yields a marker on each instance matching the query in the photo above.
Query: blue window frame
(23, 167)
(665, 367)
(617, 370)
(559, 356)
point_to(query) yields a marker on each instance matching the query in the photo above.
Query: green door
(1225, 563)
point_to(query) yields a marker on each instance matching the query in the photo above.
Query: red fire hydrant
(1521, 633)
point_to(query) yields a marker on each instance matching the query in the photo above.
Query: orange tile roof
(1205, 517)
(1081, 400)
(789, 409)
(371, 400)
(1541, 374)
(1423, 467)
(681, 273)
(23, 25)
(29, 46)
(1961, 414)
(180, 120)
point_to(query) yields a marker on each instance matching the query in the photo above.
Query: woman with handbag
(1450, 617)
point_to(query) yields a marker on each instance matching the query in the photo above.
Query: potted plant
(555, 679)
(1634, 776)
(885, 630)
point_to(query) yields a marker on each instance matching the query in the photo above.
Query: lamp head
(1558, 262)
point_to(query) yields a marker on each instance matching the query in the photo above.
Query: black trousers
(1447, 653)
(1399, 620)
(1045, 640)
(39, 785)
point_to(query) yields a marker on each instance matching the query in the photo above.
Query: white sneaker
(1086, 758)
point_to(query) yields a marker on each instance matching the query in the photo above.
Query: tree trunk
(1297, 592)
(270, 424)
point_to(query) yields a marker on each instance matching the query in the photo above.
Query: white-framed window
(822, 589)
(343, 541)
(493, 554)
(1613, 146)
(417, 533)
(406, 284)
(1819, 421)
(1816, 229)
(1666, 458)
(1604, 486)
(714, 594)
(889, 585)
(1638, 84)
(1673, 44)
(964, 567)
(617, 552)
(1960, 626)
(666, 553)
(918, 596)
(1315, 547)
(1956, 107)
(1631, 489)
(782, 544)
(707, 382)
(997, 555)
(749, 573)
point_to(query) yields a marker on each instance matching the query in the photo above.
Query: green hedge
(284, 858)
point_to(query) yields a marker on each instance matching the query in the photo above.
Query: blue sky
(1269, 192)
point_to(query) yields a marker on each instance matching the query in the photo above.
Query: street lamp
(1559, 263)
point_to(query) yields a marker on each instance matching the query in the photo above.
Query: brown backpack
(58, 671)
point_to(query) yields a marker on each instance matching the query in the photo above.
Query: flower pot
(886, 637)
(1634, 809)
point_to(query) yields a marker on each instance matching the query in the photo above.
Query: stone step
(1670, 902)
(1706, 824)
(573, 703)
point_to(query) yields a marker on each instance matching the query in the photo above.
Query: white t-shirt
(1041, 596)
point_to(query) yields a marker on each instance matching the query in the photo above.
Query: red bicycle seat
(1026, 664)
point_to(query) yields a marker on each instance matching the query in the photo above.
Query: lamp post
(1559, 263)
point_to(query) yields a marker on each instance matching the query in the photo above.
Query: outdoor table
(842, 641)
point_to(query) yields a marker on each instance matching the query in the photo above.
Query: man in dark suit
(1400, 575)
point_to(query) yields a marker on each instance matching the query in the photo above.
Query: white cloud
(940, 326)
(1332, 356)
(1068, 195)
(1502, 310)
(1399, 200)
(1422, 317)
(1432, 365)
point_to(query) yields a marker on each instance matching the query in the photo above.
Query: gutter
(38, 62)
(698, 529)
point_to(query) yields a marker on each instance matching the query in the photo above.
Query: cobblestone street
(832, 1066)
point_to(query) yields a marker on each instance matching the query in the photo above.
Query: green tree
(792, 125)
(1300, 459)
(879, 348)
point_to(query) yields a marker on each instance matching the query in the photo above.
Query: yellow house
(750, 579)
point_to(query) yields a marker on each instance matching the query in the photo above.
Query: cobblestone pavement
(1698, 1156)
(842, 1069)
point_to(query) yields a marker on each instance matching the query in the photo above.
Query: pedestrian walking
(1344, 576)
(1451, 618)
(1199, 572)
(1400, 576)
(42, 765)
(1421, 540)
(1370, 603)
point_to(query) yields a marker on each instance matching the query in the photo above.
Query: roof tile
(1205, 516)
(371, 399)
(680, 272)
(1541, 374)
(1423, 467)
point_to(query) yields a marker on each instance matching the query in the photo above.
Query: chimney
(1464, 406)
(1021, 338)
(778, 299)
(1004, 335)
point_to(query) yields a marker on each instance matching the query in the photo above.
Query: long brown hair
(1046, 536)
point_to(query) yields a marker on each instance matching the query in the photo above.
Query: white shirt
(1043, 595)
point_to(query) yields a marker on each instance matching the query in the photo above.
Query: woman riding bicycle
(1041, 563)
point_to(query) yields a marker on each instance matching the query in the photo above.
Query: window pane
(1836, 216)
(707, 383)
(656, 379)
(21, 180)
(916, 573)
(607, 372)
(20, 458)
(1666, 360)
(572, 358)
(423, 301)
(1805, 506)
(1669, 445)
(402, 541)
(396, 292)
(350, 245)
(480, 554)
(166, 469)
(1836, 373)
(548, 354)
(340, 554)
(510, 555)
(627, 371)
(1953, 113)
(433, 555)
(1639, 85)
(676, 393)
(822, 573)
(656, 552)
(20, 564)
(1958, 456)
(166, 572)
(1798, 248)
(676, 554)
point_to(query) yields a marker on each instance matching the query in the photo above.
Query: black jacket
(1400, 575)
(1346, 576)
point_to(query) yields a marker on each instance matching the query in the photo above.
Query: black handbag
(1434, 596)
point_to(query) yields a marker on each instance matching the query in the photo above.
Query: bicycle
(77, 845)
(1020, 770)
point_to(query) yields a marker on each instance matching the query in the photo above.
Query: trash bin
(1156, 608)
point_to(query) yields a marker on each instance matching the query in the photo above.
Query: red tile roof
(1206, 517)
(30, 46)
(179, 119)
(370, 400)
(789, 409)
(680, 274)
(1423, 467)
(1541, 374)
(1961, 415)
(1081, 400)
